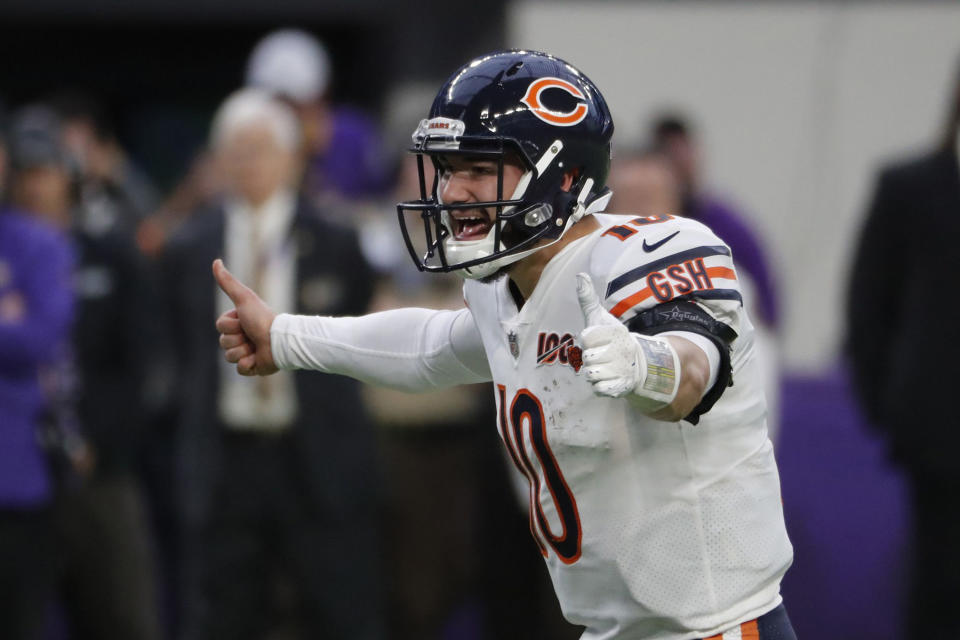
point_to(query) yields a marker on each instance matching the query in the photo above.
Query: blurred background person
(899, 328)
(112, 191)
(105, 568)
(278, 481)
(673, 136)
(124, 395)
(644, 182)
(342, 153)
(201, 183)
(340, 162)
(36, 311)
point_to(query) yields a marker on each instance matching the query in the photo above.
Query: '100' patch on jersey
(554, 348)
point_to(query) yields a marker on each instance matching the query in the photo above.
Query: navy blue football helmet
(522, 106)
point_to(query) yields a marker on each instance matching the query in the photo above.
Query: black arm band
(685, 315)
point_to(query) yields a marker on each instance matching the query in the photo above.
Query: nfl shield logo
(514, 347)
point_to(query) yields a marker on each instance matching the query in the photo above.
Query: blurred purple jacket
(35, 263)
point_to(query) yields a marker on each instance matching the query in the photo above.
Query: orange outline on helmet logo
(560, 119)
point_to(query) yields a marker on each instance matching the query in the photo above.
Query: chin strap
(596, 206)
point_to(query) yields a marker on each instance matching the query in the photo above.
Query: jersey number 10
(526, 410)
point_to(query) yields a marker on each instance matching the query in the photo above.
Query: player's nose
(455, 189)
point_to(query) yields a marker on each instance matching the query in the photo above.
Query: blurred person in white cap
(341, 157)
(342, 148)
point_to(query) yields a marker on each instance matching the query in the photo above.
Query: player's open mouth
(470, 225)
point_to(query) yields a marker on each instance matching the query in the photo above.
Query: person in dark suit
(900, 324)
(280, 479)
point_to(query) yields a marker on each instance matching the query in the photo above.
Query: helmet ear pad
(549, 189)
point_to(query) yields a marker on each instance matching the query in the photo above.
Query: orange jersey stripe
(630, 301)
(750, 631)
(722, 272)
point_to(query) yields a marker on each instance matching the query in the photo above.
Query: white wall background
(797, 104)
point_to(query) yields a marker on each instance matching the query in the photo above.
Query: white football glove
(619, 363)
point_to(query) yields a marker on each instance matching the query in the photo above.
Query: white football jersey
(650, 529)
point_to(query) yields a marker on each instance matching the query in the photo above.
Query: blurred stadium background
(796, 106)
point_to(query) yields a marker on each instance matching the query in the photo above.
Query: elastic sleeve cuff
(279, 329)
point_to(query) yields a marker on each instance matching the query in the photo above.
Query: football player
(621, 358)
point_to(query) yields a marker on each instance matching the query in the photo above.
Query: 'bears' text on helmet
(520, 105)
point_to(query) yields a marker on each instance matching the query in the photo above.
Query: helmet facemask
(538, 209)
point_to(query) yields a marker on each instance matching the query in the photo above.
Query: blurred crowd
(148, 491)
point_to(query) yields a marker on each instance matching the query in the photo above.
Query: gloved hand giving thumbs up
(619, 363)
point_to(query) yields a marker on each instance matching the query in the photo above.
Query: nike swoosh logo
(656, 245)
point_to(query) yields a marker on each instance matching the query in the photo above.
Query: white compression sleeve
(405, 349)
